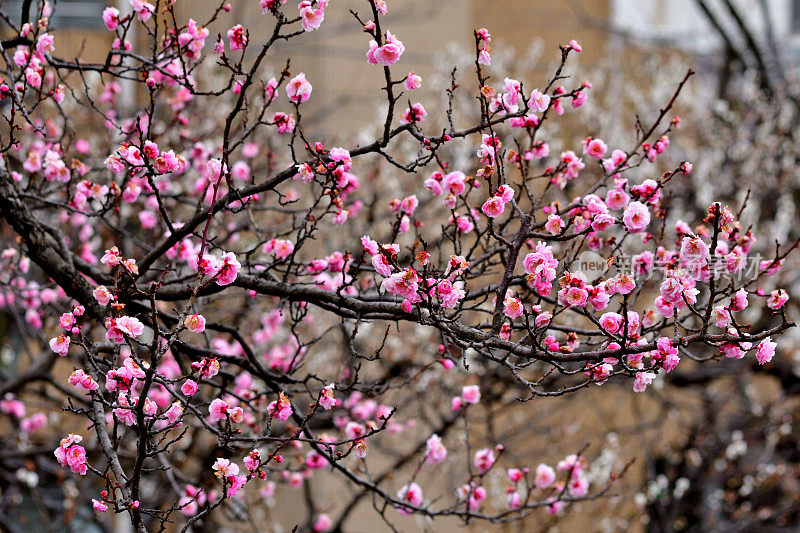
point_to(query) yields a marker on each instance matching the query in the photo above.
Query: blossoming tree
(225, 293)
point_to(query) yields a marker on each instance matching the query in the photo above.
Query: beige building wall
(347, 91)
(554, 22)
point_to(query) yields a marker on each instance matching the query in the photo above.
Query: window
(66, 13)
(795, 16)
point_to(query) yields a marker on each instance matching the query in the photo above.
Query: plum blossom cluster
(237, 316)
(386, 54)
(70, 453)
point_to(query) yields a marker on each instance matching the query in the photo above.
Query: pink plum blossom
(412, 82)
(435, 450)
(298, 89)
(60, 344)
(471, 394)
(388, 54)
(545, 476)
(195, 323)
(411, 493)
(189, 388)
(484, 459)
(636, 217)
(129, 325)
(765, 350)
(538, 101)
